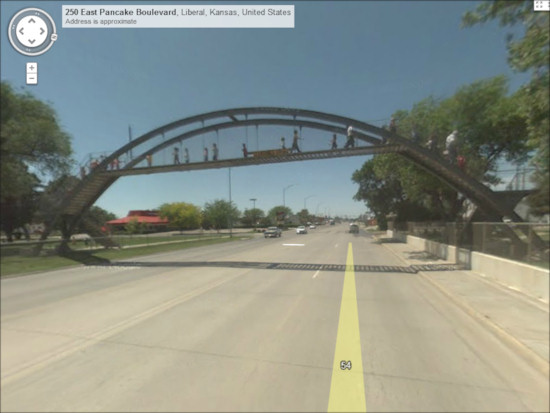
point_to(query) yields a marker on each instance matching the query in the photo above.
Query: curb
(525, 352)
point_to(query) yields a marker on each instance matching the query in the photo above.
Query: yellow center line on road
(347, 388)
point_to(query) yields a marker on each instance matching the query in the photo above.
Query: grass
(26, 264)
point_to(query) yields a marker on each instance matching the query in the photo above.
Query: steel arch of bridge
(100, 179)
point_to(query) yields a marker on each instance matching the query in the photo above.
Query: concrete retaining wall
(530, 280)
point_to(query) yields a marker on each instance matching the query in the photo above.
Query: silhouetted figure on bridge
(334, 142)
(82, 172)
(451, 146)
(351, 140)
(186, 155)
(205, 153)
(283, 145)
(245, 151)
(432, 144)
(176, 156)
(393, 125)
(149, 158)
(461, 162)
(295, 142)
(415, 138)
(215, 152)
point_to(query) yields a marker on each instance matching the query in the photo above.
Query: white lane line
(316, 274)
(294, 245)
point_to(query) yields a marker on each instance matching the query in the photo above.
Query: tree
(382, 191)
(51, 197)
(220, 214)
(279, 214)
(490, 128)
(304, 216)
(94, 219)
(265, 222)
(251, 217)
(181, 215)
(134, 226)
(530, 53)
(32, 143)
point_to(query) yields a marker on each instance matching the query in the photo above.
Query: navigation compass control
(32, 32)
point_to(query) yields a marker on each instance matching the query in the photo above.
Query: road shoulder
(520, 321)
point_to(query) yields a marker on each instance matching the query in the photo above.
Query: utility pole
(253, 209)
(230, 220)
(130, 140)
(284, 190)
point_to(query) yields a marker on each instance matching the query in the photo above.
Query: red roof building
(149, 218)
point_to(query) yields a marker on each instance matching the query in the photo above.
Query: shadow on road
(422, 256)
(83, 257)
(411, 269)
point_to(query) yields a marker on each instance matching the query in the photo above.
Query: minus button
(32, 79)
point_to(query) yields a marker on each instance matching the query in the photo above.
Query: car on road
(353, 228)
(301, 230)
(272, 232)
(312, 226)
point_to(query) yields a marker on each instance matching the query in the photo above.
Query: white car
(301, 230)
(312, 226)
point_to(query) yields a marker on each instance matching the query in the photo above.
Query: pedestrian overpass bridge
(369, 140)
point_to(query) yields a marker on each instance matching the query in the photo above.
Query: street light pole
(306, 198)
(230, 220)
(317, 209)
(253, 208)
(284, 190)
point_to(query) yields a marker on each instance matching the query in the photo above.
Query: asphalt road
(253, 325)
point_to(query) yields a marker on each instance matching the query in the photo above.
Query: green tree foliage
(181, 215)
(52, 195)
(134, 226)
(490, 128)
(32, 143)
(528, 53)
(279, 214)
(304, 216)
(49, 200)
(381, 189)
(265, 222)
(93, 220)
(220, 214)
(251, 217)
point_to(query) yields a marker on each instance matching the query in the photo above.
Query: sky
(361, 59)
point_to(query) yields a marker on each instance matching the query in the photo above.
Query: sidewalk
(519, 320)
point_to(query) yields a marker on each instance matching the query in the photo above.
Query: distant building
(149, 218)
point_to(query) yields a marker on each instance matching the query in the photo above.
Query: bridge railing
(522, 180)
(92, 159)
(512, 240)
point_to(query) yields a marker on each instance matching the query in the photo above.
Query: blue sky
(363, 60)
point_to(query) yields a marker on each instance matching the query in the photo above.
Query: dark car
(272, 232)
